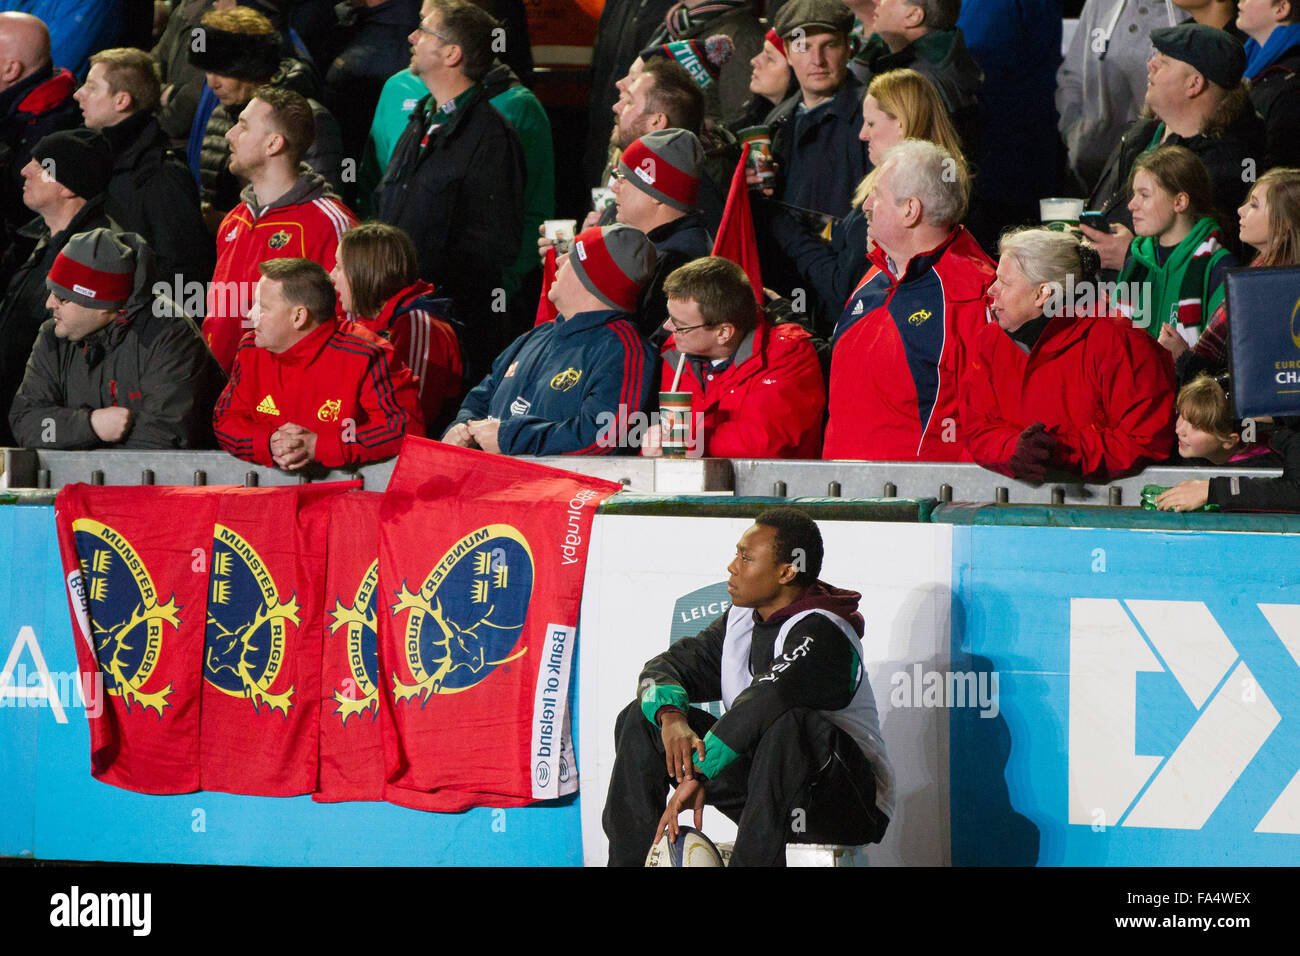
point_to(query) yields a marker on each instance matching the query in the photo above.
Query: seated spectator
(117, 366)
(815, 141)
(1101, 83)
(924, 36)
(1273, 69)
(151, 192)
(903, 342)
(287, 211)
(771, 81)
(658, 94)
(1208, 429)
(1199, 100)
(568, 387)
(64, 184)
(756, 389)
(1051, 391)
(1172, 280)
(35, 100)
(455, 183)
(655, 191)
(377, 278)
(241, 54)
(307, 387)
(1269, 222)
(899, 105)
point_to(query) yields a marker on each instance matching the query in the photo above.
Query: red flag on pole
(546, 310)
(481, 562)
(735, 239)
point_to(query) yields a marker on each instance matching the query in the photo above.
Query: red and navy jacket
(304, 223)
(340, 381)
(568, 387)
(769, 401)
(900, 351)
(417, 322)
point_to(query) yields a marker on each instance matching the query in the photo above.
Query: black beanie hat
(77, 159)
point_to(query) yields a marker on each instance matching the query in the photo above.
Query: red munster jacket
(341, 382)
(1104, 389)
(900, 353)
(304, 223)
(770, 402)
(413, 322)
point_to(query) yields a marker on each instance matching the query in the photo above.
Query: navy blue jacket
(820, 158)
(567, 387)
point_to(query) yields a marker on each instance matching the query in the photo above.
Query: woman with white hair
(1057, 384)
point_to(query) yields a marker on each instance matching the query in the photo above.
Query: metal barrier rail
(750, 477)
(25, 468)
(949, 482)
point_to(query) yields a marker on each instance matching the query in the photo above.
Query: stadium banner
(262, 651)
(198, 611)
(655, 580)
(51, 808)
(351, 745)
(136, 586)
(481, 563)
(1148, 705)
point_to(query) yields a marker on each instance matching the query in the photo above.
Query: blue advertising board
(1148, 698)
(51, 807)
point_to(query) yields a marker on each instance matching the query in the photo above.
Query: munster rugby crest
(126, 617)
(467, 617)
(244, 645)
(357, 623)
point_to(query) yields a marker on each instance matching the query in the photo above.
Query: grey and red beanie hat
(94, 269)
(665, 164)
(614, 263)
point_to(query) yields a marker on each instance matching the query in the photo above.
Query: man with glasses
(656, 184)
(455, 182)
(756, 388)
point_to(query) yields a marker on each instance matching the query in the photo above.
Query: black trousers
(805, 782)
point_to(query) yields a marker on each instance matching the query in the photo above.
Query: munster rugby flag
(262, 648)
(351, 746)
(481, 560)
(136, 586)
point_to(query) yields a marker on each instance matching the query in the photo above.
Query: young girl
(1270, 222)
(1172, 280)
(1207, 429)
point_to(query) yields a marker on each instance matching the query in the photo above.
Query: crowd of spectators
(183, 264)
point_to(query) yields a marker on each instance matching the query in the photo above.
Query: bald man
(35, 100)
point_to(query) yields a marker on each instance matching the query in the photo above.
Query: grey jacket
(152, 360)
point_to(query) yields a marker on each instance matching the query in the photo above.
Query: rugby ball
(691, 848)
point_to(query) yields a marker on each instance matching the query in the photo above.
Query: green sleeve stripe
(717, 756)
(662, 695)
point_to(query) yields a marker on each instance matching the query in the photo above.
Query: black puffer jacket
(152, 193)
(152, 360)
(23, 309)
(1275, 94)
(221, 188)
